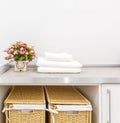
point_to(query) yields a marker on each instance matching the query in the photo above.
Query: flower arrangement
(20, 52)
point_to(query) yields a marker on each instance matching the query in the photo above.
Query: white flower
(15, 52)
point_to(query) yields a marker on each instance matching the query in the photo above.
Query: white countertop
(88, 76)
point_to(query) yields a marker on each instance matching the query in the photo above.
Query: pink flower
(32, 52)
(26, 62)
(12, 60)
(11, 56)
(18, 50)
(6, 58)
(9, 52)
(22, 52)
(21, 48)
(24, 45)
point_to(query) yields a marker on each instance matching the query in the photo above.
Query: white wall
(89, 29)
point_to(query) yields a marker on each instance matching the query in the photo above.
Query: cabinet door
(111, 103)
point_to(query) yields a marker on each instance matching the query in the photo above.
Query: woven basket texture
(25, 95)
(71, 96)
(65, 95)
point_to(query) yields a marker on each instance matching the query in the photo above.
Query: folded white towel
(58, 70)
(41, 62)
(58, 56)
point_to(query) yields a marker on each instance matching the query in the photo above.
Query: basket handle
(6, 109)
(52, 111)
(7, 117)
(53, 118)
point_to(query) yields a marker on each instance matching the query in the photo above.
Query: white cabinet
(111, 103)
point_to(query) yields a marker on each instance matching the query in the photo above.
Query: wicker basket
(72, 106)
(25, 105)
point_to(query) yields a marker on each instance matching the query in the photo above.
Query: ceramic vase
(20, 66)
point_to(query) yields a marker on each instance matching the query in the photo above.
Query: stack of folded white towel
(58, 63)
